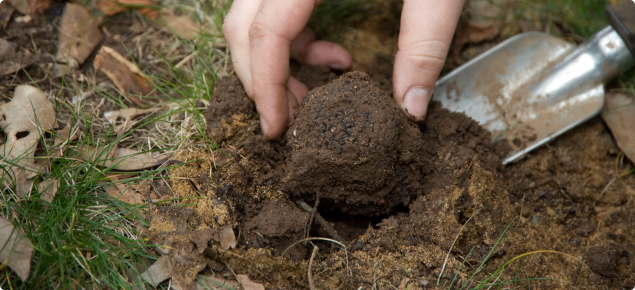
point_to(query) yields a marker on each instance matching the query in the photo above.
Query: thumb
(427, 27)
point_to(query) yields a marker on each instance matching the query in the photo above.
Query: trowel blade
(489, 90)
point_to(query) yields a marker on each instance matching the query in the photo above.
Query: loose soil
(351, 154)
(403, 195)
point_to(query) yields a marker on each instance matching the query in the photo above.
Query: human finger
(427, 27)
(277, 23)
(306, 49)
(236, 30)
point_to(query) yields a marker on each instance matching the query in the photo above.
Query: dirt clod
(351, 145)
(602, 260)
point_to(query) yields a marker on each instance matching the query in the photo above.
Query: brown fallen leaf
(12, 60)
(619, 116)
(160, 271)
(486, 19)
(213, 283)
(227, 238)
(79, 34)
(21, 6)
(126, 76)
(403, 284)
(182, 25)
(248, 284)
(128, 114)
(112, 7)
(37, 6)
(6, 11)
(122, 159)
(125, 193)
(184, 277)
(15, 249)
(48, 189)
(30, 113)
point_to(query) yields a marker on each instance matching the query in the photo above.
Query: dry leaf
(48, 189)
(486, 19)
(12, 60)
(79, 34)
(21, 6)
(15, 249)
(248, 284)
(6, 11)
(112, 7)
(227, 238)
(619, 116)
(21, 180)
(160, 271)
(403, 284)
(181, 24)
(37, 6)
(126, 76)
(128, 114)
(64, 135)
(126, 159)
(126, 193)
(213, 283)
(30, 113)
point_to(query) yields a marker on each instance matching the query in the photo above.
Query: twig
(322, 239)
(311, 284)
(577, 272)
(320, 220)
(309, 222)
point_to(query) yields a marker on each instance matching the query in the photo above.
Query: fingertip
(271, 132)
(298, 89)
(328, 54)
(415, 102)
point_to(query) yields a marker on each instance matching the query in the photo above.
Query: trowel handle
(622, 17)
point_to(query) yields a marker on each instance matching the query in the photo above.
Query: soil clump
(351, 146)
(438, 185)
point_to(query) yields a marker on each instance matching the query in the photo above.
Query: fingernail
(264, 125)
(416, 102)
(336, 65)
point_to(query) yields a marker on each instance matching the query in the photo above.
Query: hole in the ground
(351, 227)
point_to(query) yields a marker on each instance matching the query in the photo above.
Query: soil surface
(417, 205)
(406, 194)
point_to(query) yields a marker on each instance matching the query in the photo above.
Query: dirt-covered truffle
(351, 145)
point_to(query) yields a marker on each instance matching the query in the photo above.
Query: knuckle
(258, 29)
(229, 25)
(428, 55)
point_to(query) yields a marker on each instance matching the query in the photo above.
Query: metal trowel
(534, 86)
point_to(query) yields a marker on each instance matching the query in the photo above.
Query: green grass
(494, 277)
(331, 15)
(86, 238)
(84, 235)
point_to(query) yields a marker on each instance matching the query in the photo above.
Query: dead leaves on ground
(184, 238)
(121, 158)
(127, 77)
(619, 116)
(24, 120)
(15, 249)
(78, 37)
(112, 7)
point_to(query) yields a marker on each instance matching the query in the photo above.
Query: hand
(427, 27)
(262, 35)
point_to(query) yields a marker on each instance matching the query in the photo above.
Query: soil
(425, 182)
(406, 197)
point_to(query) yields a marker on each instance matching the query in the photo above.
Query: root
(320, 220)
(311, 283)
